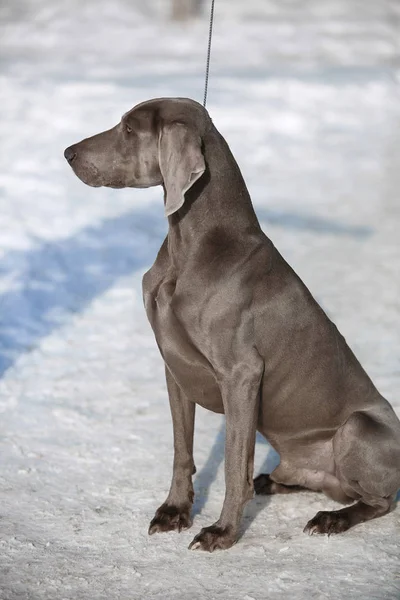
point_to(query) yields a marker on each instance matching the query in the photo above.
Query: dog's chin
(91, 183)
(88, 174)
(115, 185)
(92, 178)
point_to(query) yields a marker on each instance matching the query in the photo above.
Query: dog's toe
(328, 522)
(170, 518)
(213, 538)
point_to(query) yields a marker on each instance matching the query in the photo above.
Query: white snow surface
(307, 95)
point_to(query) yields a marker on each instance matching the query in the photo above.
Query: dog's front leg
(241, 394)
(175, 512)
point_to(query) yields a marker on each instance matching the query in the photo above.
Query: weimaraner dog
(241, 334)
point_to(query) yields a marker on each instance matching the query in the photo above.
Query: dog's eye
(128, 128)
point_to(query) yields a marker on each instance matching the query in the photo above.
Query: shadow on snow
(60, 278)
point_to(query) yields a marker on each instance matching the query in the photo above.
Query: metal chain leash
(208, 53)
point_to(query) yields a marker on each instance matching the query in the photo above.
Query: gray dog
(241, 334)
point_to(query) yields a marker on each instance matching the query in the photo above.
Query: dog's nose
(70, 154)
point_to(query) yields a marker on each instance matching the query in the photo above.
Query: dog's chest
(167, 312)
(185, 360)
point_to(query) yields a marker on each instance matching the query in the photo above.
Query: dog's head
(157, 142)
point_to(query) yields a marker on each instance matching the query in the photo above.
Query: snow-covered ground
(307, 95)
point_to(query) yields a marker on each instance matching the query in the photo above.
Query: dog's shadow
(207, 475)
(258, 503)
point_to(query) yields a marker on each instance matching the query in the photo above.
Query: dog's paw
(263, 485)
(329, 522)
(170, 518)
(213, 538)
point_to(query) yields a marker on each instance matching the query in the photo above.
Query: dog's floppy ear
(181, 163)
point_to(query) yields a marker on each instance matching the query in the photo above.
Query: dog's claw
(212, 538)
(194, 545)
(328, 522)
(309, 530)
(170, 518)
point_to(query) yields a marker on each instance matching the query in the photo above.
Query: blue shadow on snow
(62, 277)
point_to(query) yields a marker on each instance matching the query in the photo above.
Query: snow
(306, 94)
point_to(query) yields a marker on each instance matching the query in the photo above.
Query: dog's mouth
(116, 185)
(90, 175)
(87, 173)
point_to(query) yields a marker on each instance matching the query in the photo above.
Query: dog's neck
(218, 200)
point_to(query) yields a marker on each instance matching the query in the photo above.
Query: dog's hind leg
(367, 458)
(288, 475)
(338, 521)
(265, 486)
